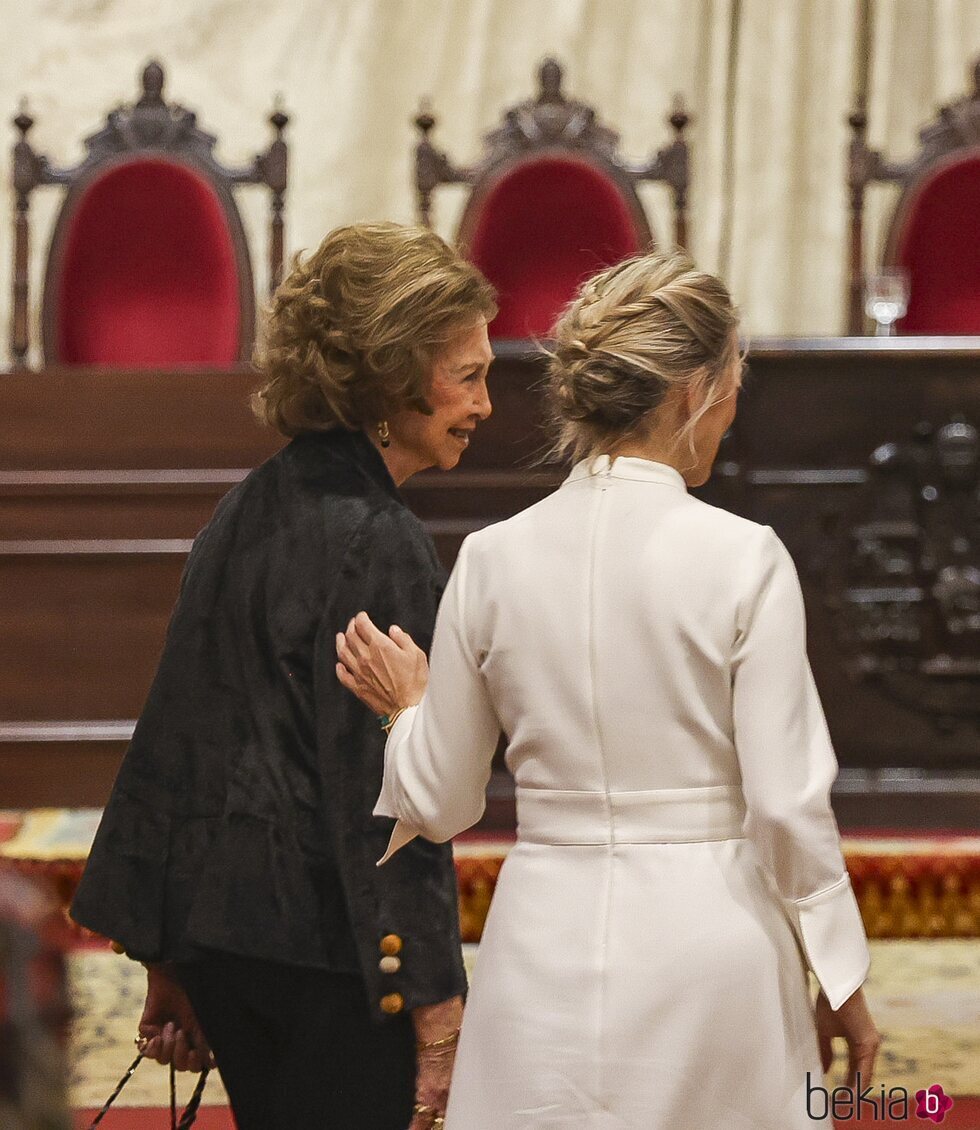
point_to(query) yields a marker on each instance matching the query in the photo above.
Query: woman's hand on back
(386, 672)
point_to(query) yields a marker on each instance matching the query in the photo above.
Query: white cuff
(832, 933)
(387, 804)
(401, 835)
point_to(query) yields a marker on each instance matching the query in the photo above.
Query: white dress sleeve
(438, 755)
(788, 766)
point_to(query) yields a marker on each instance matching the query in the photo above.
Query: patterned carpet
(924, 995)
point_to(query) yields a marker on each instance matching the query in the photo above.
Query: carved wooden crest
(904, 577)
(548, 119)
(957, 126)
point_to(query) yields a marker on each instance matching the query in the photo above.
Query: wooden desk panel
(83, 630)
(828, 403)
(90, 418)
(43, 773)
(87, 455)
(110, 504)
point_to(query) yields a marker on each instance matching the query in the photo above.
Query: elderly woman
(677, 864)
(236, 856)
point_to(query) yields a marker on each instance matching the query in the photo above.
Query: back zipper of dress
(603, 933)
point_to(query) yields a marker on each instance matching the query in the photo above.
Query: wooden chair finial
(549, 81)
(425, 120)
(151, 83)
(23, 121)
(679, 117)
(278, 119)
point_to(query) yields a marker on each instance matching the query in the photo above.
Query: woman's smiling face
(459, 400)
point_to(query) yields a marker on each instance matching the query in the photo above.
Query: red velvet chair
(551, 202)
(149, 265)
(932, 230)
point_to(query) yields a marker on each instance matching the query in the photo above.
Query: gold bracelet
(390, 719)
(444, 1042)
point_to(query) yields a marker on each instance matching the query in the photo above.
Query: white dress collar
(628, 467)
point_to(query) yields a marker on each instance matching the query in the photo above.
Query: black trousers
(297, 1049)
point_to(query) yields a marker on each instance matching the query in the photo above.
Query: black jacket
(241, 817)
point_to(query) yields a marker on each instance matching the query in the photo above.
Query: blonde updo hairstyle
(352, 332)
(649, 324)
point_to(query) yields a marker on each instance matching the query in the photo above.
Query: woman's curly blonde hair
(353, 330)
(633, 331)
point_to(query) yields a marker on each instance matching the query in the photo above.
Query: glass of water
(886, 298)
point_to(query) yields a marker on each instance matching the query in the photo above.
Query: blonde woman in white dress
(677, 866)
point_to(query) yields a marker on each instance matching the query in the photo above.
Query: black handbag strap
(130, 1071)
(189, 1116)
(190, 1111)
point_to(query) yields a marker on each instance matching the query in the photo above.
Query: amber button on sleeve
(391, 944)
(392, 1003)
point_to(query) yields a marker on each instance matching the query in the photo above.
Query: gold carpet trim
(906, 887)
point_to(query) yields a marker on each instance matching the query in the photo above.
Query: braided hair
(633, 332)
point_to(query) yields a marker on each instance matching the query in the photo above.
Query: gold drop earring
(384, 435)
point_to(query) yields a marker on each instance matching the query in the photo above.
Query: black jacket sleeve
(390, 571)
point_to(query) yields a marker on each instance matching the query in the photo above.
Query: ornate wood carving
(904, 574)
(149, 126)
(548, 122)
(955, 128)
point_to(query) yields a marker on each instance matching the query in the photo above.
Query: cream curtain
(769, 84)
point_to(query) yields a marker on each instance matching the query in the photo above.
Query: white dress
(677, 864)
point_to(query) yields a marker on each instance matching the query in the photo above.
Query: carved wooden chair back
(931, 232)
(148, 266)
(551, 200)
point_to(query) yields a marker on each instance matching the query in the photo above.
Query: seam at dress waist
(650, 816)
